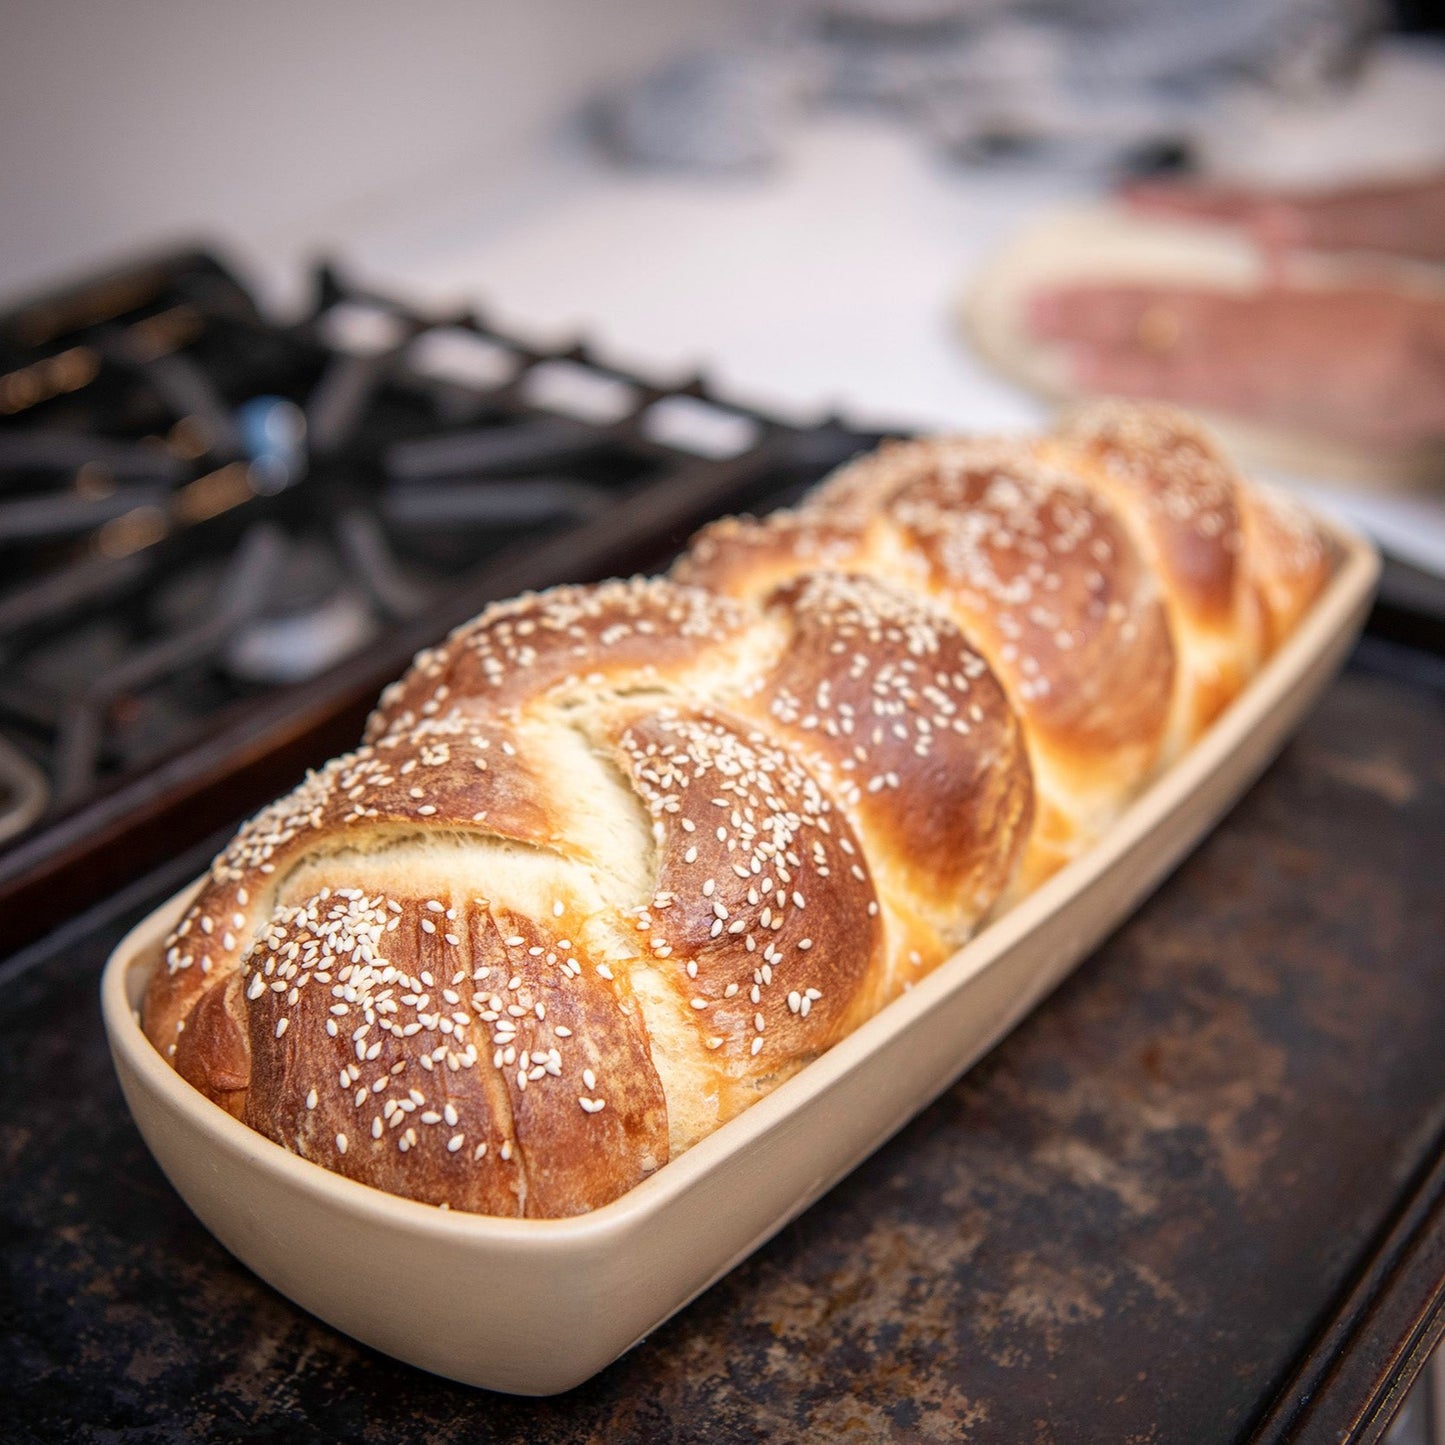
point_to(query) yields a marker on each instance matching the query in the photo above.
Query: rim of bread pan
(1126, 863)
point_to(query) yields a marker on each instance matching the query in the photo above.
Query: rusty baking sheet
(1191, 1198)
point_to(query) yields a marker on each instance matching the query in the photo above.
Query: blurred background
(223, 471)
(799, 196)
(796, 195)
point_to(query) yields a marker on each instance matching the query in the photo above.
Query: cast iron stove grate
(220, 535)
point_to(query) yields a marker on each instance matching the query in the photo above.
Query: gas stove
(222, 533)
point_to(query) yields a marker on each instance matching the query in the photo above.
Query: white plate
(1104, 244)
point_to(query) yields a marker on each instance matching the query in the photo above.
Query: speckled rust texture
(1125, 1225)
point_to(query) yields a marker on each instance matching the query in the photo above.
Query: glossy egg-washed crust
(614, 861)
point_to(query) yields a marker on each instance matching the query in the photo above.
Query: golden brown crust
(1184, 503)
(764, 918)
(1041, 576)
(1055, 593)
(419, 1044)
(445, 772)
(751, 557)
(1184, 494)
(1288, 561)
(590, 1115)
(213, 1051)
(617, 860)
(641, 630)
(914, 736)
(1038, 573)
(337, 990)
(1241, 564)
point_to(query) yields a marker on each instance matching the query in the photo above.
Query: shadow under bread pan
(537, 1306)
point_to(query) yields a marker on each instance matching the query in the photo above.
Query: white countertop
(827, 283)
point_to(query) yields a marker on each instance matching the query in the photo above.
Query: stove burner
(220, 536)
(309, 618)
(115, 693)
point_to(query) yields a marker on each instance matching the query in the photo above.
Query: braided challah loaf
(1119, 577)
(616, 860)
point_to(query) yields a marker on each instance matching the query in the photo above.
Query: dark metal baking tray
(1198, 1196)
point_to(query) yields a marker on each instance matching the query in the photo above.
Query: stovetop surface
(1189, 1199)
(221, 533)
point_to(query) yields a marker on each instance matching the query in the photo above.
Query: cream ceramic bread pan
(536, 1306)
